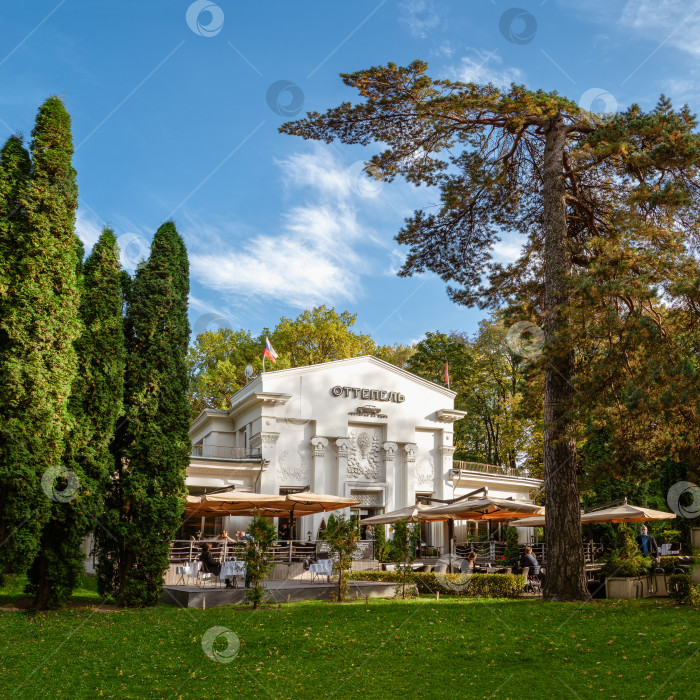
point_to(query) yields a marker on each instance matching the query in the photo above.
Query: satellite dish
(248, 372)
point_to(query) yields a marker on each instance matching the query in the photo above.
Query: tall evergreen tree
(95, 405)
(151, 446)
(614, 197)
(39, 302)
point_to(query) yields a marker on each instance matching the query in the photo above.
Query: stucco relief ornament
(425, 473)
(291, 473)
(363, 456)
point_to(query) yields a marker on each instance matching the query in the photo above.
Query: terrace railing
(459, 465)
(222, 452)
(282, 551)
(493, 551)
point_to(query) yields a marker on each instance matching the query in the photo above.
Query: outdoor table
(322, 568)
(232, 569)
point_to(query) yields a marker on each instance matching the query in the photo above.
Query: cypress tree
(95, 404)
(151, 446)
(40, 300)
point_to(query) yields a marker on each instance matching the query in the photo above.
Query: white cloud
(312, 260)
(676, 22)
(485, 67)
(419, 16)
(87, 229)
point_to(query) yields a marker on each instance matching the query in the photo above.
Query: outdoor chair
(440, 569)
(205, 575)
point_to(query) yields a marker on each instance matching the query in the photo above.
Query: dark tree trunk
(565, 579)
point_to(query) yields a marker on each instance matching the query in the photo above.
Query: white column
(409, 495)
(318, 478)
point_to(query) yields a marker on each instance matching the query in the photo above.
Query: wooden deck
(275, 592)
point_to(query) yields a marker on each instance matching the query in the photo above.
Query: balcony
(221, 452)
(488, 469)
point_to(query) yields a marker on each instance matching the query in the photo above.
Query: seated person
(209, 565)
(471, 562)
(529, 559)
(647, 544)
(224, 536)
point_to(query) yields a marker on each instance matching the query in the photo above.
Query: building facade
(360, 428)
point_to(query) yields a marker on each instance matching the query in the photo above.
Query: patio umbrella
(617, 514)
(412, 514)
(486, 509)
(306, 502)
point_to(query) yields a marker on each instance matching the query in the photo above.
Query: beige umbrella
(412, 514)
(306, 502)
(617, 514)
(486, 509)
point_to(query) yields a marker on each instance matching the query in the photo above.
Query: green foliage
(512, 551)
(257, 559)
(39, 325)
(668, 536)
(95, 405)
(626, 559)
(682, 589)
(342, 537)
(151, 448)
(216, 364)
(380, 543)
(480, 585)
(402, 550)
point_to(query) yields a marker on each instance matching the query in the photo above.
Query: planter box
(625, 588)
(695, 537)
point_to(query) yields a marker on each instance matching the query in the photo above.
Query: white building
(360, 428)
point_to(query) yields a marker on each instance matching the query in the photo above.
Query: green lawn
(465, 648)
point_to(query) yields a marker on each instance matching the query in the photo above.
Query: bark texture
(565, 578)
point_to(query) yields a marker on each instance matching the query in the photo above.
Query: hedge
(469, 586)
(682, 589)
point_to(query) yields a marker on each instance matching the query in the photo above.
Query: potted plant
(626, 569)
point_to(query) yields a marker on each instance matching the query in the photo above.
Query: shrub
(626, 559)
(512, 552)
(480, 585)
(669, 536)
(258, 563)
(682, 589)
(342, 536)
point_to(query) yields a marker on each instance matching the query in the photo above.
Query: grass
(462, 647)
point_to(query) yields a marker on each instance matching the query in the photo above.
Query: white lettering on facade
(357, 392)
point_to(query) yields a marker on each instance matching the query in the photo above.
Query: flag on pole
(269, 351)
(447, 373)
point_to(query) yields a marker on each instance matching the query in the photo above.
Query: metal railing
(222, 452)
(459, 465)
(493, 551)
(282, 551)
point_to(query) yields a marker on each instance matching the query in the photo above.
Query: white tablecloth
(322, 568)
(232, 568)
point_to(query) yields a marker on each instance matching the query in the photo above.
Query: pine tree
(39, 303)
(612, 198)
(95, 405)
(151, 447)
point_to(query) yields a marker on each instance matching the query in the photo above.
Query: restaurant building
(360, 428)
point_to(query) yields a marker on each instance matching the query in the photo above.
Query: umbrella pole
(291, 531)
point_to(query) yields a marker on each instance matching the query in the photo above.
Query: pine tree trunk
(43, 591)
(565, 579)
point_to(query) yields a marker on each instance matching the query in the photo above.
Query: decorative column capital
(269, 438)
(343, 445)
(320, 444)
(411, 450)
(391, 449)
(447, 450)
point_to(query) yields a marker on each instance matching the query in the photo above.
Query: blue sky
(176, 105)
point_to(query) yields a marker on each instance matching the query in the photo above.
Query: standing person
(647, 544)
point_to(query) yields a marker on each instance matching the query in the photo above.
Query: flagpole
(263, 363)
